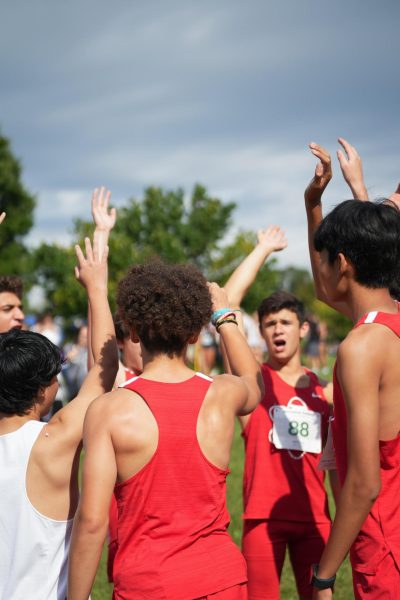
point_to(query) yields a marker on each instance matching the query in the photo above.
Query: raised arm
(91, 272)
(351, 166)
(269, 240)
(91, 519)
(2, 217)
(313, 196)
(104, 220)
(239, 355)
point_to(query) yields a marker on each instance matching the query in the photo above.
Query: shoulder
(364, 343)
(228, 390)
(109, 407)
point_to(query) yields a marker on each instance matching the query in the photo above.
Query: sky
(228, 94)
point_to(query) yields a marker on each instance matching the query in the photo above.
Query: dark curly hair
(28, 362)
(165, 304)
(11, 283)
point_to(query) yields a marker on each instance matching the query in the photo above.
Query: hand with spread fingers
(322, 175)
(272, 238)
(103, 218)
(351, 166)
(91, 270)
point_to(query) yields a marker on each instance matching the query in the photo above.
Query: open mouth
(279, 344)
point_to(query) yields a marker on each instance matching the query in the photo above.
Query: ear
(134, 336)
(344, 265)
(193, 338)
(304, 329)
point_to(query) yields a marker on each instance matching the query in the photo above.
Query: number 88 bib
(295, 427)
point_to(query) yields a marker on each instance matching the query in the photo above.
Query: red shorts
(236, 592)
(384, 584)
(264, 547)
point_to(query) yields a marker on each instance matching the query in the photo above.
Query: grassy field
(343, 591)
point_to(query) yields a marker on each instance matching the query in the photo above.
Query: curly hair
(165, 304)
(11, 283)
(28, 362)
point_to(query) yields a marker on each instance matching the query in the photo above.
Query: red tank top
(276, 485)
(172, 517)
(380, 533)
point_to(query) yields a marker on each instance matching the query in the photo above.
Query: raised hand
(322, 175)
(91, 270)
(351, 165)
(103, 218)
(272, 239)
(2, 217)
(219, 297)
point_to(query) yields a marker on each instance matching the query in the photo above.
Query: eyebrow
(3, 306)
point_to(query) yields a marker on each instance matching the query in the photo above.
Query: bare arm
(104, 220)
(239, 356)
(351, 166)
(91, 520)
(92, 273)
(2, 217)
(269, 240)
(313, 196)
(359, 371)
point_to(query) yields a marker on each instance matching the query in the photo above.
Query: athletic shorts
(384, 584)
(264, 548)
(236, 592)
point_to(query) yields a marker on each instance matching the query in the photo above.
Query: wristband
(319, 583)
(221, 312)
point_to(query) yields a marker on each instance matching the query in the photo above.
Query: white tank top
(33, 548)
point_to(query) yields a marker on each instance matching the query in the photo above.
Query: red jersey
(276, 484)
(380, 533)
(172, 515)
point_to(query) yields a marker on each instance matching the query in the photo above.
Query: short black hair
(165, 304)
(278, 301)
(12, 284)
(368, 235)
(28, 362)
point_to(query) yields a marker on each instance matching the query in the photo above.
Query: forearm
(103, 344)
(359, 191)
(242, 363)
(314, 218)
(245, 274)
(352, 510)
(84, 559)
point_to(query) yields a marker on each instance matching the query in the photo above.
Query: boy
(285, 502)
(39, 461)
(165, 437)
(355, 256)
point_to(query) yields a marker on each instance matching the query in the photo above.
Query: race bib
(296, 427)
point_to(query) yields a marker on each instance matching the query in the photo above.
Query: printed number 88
(296, 428)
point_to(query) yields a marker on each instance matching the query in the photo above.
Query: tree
(163, 224)
(19, 205)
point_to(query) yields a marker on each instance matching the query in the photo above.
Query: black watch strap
(321, 584)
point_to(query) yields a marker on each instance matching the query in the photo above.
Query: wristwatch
(321, 584)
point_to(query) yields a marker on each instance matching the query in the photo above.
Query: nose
(18, 314)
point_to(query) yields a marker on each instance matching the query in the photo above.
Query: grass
(343, 589)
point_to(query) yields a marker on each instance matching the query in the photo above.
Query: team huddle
(157, 437)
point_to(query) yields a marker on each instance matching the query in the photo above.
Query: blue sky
(129, 94)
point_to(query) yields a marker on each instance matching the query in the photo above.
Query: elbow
(92, 524)
(367, 491)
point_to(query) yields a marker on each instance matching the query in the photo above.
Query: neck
(290, 366)
(10, 423)
(164, 368)
(362, 300)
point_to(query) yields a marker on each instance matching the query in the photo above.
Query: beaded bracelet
(217, 327)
